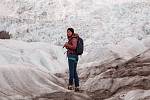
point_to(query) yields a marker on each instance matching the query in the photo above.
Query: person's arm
(73, 46)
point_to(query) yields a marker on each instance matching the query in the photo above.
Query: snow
(19, 81)
(128, 48)
(26, 68)
(104, 21)
(110, 28)
(106, 26)
(125, 49)
(140, 94)
(43, 55)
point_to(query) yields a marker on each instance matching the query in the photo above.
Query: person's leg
(71, 71)
(72, 61)
(76, 78)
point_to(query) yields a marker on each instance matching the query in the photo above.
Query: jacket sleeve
(74, 44)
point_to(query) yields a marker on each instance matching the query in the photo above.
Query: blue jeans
(73, 76)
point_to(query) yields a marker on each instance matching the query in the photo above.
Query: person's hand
(66, 45)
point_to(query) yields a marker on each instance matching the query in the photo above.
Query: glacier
(115, 62)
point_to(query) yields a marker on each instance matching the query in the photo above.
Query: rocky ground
(114, 80)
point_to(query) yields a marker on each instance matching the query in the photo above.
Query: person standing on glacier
(72, 56)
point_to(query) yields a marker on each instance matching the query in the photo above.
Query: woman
(72, 59)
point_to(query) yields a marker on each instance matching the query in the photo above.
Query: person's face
(69, 33)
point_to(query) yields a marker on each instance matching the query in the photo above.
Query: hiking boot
(76, 89)
(70, 87)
